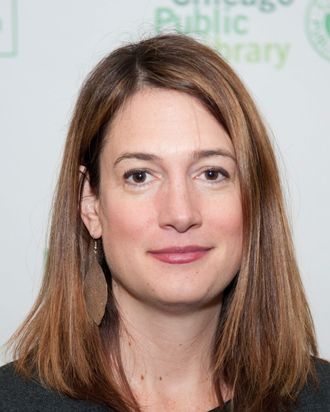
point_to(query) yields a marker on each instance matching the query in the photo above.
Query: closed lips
(181, 249)
(180, 255)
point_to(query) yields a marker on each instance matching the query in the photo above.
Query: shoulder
(18, 394)
(316, 397)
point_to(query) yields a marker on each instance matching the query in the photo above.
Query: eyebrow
(196, 155)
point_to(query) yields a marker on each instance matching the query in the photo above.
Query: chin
(184, 303)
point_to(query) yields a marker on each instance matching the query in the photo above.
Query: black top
(18, 394)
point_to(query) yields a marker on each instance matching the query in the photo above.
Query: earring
(95, 288)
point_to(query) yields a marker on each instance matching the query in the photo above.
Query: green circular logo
(318, 26)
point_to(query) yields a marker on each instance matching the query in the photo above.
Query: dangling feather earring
(95, 289)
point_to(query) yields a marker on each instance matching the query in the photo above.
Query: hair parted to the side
(265, 339)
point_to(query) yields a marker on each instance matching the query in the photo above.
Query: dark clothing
(21, 395)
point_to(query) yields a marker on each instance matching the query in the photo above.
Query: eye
(136, 176)
(215, 174)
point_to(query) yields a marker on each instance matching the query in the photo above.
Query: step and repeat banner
(281, 50)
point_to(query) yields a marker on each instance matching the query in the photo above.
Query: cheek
(226, 224)
(226, 218)
(232, 222)
(123, 221)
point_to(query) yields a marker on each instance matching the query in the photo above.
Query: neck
(168, 354)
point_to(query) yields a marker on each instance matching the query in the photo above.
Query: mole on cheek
(142, 377)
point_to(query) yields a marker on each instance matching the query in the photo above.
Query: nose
(179, 208)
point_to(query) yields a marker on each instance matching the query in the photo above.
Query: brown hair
(265, 338)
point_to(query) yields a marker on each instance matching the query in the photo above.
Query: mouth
(180, 254)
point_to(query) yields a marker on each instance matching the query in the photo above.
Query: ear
(89, 207)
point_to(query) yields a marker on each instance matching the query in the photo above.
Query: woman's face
(169, 207)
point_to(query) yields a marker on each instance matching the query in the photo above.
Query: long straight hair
(265, 337)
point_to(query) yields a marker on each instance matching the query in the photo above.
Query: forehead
(166, 121)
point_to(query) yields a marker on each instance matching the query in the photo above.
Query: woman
(171, 282)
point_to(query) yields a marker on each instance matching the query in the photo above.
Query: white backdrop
(281, 49)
